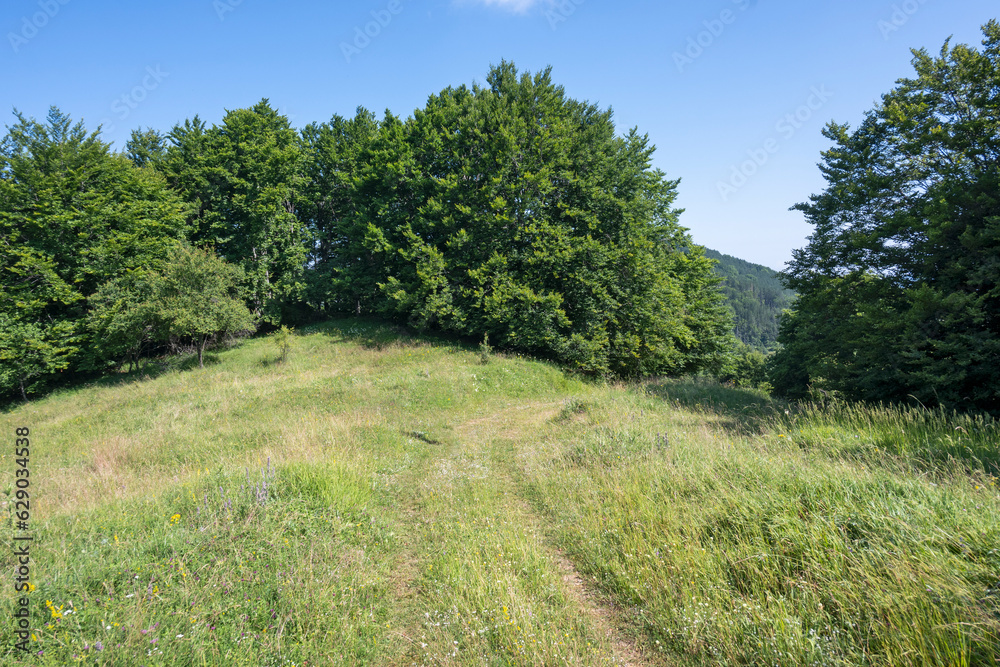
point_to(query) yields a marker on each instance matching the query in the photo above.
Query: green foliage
(123, 316)
(508, 212)
(30, 351)
(485, 350)
(197, 297)
(194, 296)
(757, 297)
(283, 341)
(73, 216)
(899, 293)
(146, 147)
(514, 211)
(242, 179)
(335, 207)
(747, 368)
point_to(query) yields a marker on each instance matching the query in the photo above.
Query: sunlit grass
(385, 499)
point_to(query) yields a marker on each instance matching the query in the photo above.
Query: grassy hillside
(381, 499)
(756, 296)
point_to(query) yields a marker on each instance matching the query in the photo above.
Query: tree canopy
(508, 211)
(73, 216)
(898, 286)
(519, 213)
(242, 179)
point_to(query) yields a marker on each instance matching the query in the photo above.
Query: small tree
(30, 351)
(283, 339)
(196, 297)
(123, 317)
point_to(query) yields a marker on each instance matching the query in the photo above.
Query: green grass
(424, 507)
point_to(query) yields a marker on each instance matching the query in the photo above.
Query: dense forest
(756, 296)
(507, 213)
(513, 215)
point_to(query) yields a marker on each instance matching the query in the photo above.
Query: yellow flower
(175, 518)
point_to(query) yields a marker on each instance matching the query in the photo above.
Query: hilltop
(386, 499)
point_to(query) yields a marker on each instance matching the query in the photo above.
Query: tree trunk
(201, 351)
(24, 394)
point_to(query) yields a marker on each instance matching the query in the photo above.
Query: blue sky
(718, 85)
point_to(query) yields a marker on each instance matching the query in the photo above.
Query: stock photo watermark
(223, 7)
(123, 106)
(560, 11)
(381, 18)
(901, 15)
(786, 127)
(30, 25)
(714, 28)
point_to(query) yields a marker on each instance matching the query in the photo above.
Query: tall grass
(761, 533)
(385, 499)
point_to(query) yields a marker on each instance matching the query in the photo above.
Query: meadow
(387, 499)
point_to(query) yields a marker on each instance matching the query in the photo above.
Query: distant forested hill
(756, 296)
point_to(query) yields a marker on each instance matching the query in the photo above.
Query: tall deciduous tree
(243, 179)
(73, 216)
(341, 269)
(519, 213)
(899, 291)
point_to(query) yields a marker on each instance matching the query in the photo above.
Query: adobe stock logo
(363, 37)
(37, 21)
(560, 11)
(123, 106)
(901, 15)
(786, 126)
(223, 7)
(714, 28)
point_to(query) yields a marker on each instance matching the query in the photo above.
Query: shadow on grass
(743, 412)
(376, 334)
(922, 439)
(149, 369)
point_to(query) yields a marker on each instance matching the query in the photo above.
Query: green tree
(197, 297)
(342, 270)
(518, 213)
(243, 179)
(146, 147)
(899, 293)
(30, 351)
(73, 216)
(123, 316)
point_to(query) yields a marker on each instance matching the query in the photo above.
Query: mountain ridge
(756, 296)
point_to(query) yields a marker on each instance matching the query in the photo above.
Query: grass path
(388, 500)
(467, 519)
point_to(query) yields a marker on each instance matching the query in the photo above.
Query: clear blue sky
(157, 63)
